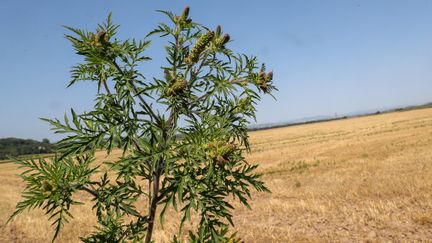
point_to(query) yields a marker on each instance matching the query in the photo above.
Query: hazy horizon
(328, 57)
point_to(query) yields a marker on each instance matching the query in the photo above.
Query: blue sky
(327, 56)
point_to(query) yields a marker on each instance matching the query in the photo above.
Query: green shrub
(183, 134)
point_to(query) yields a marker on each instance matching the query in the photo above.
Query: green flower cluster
(177, 87)
(221, 151)
(243, 105)
(48, 188)
(183, 21)
(199, 47)
(99, 39)
(219, 40)
(264, 80)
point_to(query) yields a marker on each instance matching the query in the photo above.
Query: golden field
(366, 179)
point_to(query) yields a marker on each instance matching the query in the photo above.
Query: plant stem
(155, 197)
(154, 200)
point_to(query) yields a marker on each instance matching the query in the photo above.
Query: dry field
(366, 179)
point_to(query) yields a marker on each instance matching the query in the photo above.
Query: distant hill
(17, 147)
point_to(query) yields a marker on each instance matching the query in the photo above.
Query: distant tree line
(17, 147)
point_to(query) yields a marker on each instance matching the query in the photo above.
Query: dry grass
(364, 179)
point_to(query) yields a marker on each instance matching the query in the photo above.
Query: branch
(96, 195)
(204, 96)
(146, 105)
(92, 192)
(238, 80)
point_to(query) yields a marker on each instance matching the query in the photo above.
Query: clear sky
(327, 56)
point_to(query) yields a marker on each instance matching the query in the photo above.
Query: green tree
(183, 134)
(16, 147)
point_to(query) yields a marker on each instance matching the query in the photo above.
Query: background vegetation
(16, 147)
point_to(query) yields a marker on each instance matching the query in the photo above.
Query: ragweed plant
(183, 135)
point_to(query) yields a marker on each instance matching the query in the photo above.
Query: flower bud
(225, 39)
(182, 20)
(218, 31)
(185, 13)
(221, 41)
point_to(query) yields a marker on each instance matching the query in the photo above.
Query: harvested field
(353, 180)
